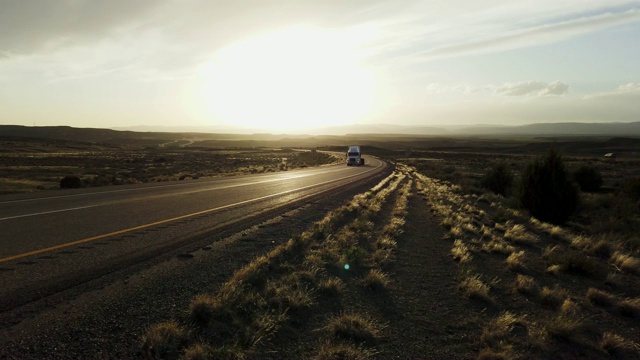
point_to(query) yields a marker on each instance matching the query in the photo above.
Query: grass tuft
(552, 298)
(527, 285)
(164, 340)
(329, 351)
(618, 347)
(355, 328)
(460, 252)
(518, 234)
(376, 280)
(626, 263)
(601, 298)
(515, 261)
(474, 288)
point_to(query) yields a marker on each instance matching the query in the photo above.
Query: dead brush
(164, 340)
(518, 234)
(629, 308)
(618, 347)
(497, 246)
(460, 252)
(331, 286)
(552, 298)
(626, 262)
(354, 328)
(376, 280)
(331, 351)
(601, 298)
(516, 261)
(474, 288)
(526, 285)
(568, 328)
(503, 330)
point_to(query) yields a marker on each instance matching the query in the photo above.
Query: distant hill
(377, 132)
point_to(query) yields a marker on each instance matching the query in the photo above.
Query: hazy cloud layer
(555, 88)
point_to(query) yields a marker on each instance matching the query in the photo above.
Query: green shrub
(588, 178)
(499, 180)
(70, 182)
(546, 191)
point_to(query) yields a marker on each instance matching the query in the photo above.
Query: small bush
(164, 341)
(70, 182)
(618, 347)
(526, 285)
(546, 191)
(601, 298)
(353, 327)
(588, 178)
(376, 280)
(474, 287)
(499, 180)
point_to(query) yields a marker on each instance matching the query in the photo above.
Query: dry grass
(630, 308)
(376, 280)
(519, 234)
(601, 298)
(553, 298)
(503, 330)
(626, 263)
(474, 288)
(516, 261)
(331, 286)
(164, 340)
(526, 285)
(496, 246)
(354, 328)
(340, 351)
(460, 252)
(618, 347)
(203, 309)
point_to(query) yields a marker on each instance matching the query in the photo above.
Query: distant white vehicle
(354, 156)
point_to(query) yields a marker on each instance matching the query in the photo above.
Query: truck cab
(354, 156)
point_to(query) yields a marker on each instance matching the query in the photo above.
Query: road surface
(51, 241)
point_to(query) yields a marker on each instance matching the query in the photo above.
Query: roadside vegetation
(348, 248)
(563, 288)
(31, 164)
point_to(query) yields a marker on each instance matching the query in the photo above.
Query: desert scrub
(460, 252)
(354, 328)
(546, 191)
(498, 180)
(519, 234)
(588, 178)
(626, 263)
(164, 340)
(474, 288)
(526, 285)
(503, 330)
(340, 350)
(618, 347)
(515, 261)
(376, 280)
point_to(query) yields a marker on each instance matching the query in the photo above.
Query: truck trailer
(354, 156)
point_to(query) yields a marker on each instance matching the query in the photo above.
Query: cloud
(555, 88)
(534, 36)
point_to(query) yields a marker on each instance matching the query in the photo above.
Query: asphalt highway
(53, 240)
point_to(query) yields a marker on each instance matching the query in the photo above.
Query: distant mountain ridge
(631, 129)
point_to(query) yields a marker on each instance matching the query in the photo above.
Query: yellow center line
(123, 231)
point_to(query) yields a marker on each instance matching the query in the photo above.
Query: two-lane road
(53, 240)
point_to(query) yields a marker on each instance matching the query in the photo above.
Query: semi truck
(354, 156)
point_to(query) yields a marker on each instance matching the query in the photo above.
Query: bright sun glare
(291, 80)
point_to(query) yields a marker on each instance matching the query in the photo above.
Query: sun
(288, 81)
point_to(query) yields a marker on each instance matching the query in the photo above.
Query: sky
(292, 66)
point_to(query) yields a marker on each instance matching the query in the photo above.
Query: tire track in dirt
(428, 318)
